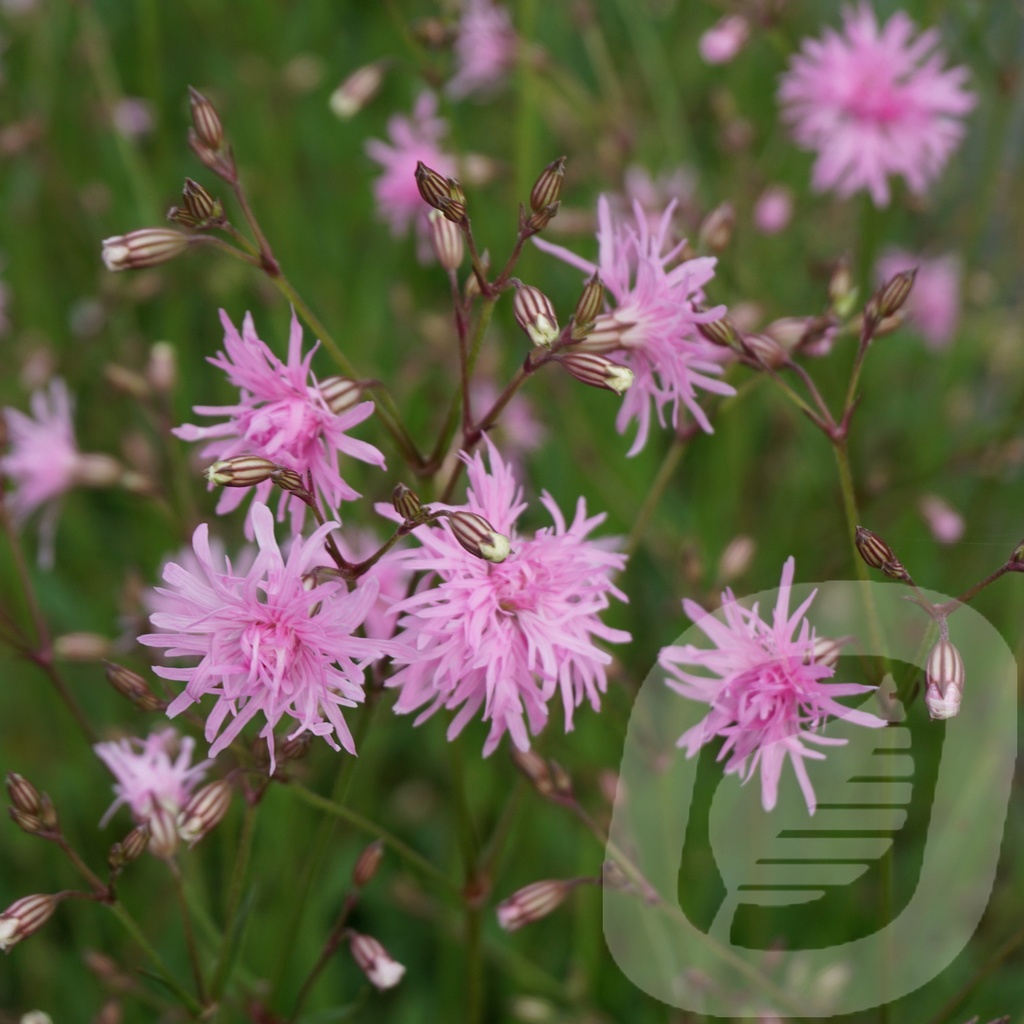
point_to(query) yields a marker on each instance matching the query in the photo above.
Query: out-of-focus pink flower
(132, 117)
(651, 328)
(505, 638)
(485, 48)
(267, 643)
(724, 39)
(875, 101)
(281, 416)
(518, 432)
(149, 775)
(412, 139)
(934, 303)
(655, 192)
(946, 524)
(773, 210)
(764, 685)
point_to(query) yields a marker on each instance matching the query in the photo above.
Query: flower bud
(827, 650)
(532, 902)
(596, 370)
(204, 811)
(446, 239)
(23, 795)
(81, 647)
(765, 350)
(24, 917)
(295, 748)
(406, 502)
(205, 120)
(716, 230)
(454, 210)
(28, 823)
(590, 304)
(878, 555)
(241, 471)
(163, 832)
(147, 247)
(542, 218)
(944, 674)
(357, 90)
(478, 537)
(131, 685)
(842, 292)
(340, 393)
(535, 315)
(548, 187)
(719, 332)
(889, 298)
(290, 481)
(134, 844)
(433, 187)
(375, 961)
(367, 864)
(197, 208)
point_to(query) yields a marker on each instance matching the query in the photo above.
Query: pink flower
(412, 139)
(485, 48)
(281, 416)
(764, 685)
(946, 524)
(873, 102)
(773, 210)
(267, 643)
(651, 328)
(724, 39)
(934, 303)
(146, 775)
(506, 637)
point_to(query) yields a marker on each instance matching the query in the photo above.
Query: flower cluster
(651, 328)
(485, 48)
(764, 683)
(505, 638)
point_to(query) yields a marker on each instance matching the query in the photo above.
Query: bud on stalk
(548, 187)
(340, 393)
(535, 315)
(944, 675)
(368, 862)
(765, 349)
(241, 471)
(205, 120)
(163, 832)
(147, 247)
(23, 795)
(433, 187)
(878, 555)
(406, 502)
(204, 811)
(889, 299)
(596, 370)
(478, 537)
(588, 307)
(357, 90)
(24, 917)
(131, 685)
(532, 902)
(446, 239)
(380, 968)
(719, 332)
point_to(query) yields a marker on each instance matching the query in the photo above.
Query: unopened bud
(24, 917)
(367, 864)
(446, 239)
(827, 650)
(944, 674)
(719, 332)
(204, 811)
(532, 902)
(542, 218)
(478, 537)
(716, 231)
(197, 206)
(205, 120)
(23, 795)
(241, 471)
(380, 968)
(590, 304)
(126, 381)
(147, 247)
(596, 370)
(290, 481)
(406, 502)
(454, 210)
(81, 647)
(131, 685)
(548, 187)
(357, 90)
(163, 832)
(433, 187)
(535, 315)
(535, 768)
(889, 298)
(765, 350)
(878, 555)
(340, 393)
(296, 747)
(842, 292)
(28, 823)
(134, 844)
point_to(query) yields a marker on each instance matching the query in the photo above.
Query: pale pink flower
(485, 48)
(505, 638)
(720, 43)
(773, 210)
(874, 101)
(281, 416)
(934, 303)
(412, 139)
(150, 773)
(132, 117)
(651, 328)
(946, 524)
(765, 688)
(267, 643)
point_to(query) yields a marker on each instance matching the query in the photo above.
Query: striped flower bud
(28, 823)
(24, 917)
(406, 502)
(548, 187)
(198, 207)
(878, 555)
(367, 863)
(204, 811)
(131, 685)
(205, 121)
(446, 240)
(340, 393)
(535, 315)
(596, 370)
(542, 218)
(147, 247)
(133, 846)
(23, 795)
(944, 676)
(357, 90)
(716, 230)
(827, 650)
(891, 296)
(454, 210)
(588, 307)
(532, 902)
(163, 832)
(765, 350)
(380, 968)
(719, 332)
(478, 537)
(241, 471)
(433, 187)
(290, 481)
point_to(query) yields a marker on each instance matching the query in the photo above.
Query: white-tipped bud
(340, 393)
(446, 239)
(241, 471)
(535, 314)
(163, 832)
(357, 90)
(944, 674)
(596, 370)
(24, 917)
(204, 811)
(532, 902)
(380, 968)
(147, 247)
(478, 537)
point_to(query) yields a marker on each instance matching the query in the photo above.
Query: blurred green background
(611, 84)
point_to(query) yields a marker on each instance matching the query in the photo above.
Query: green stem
(190, 936)
(231, 930)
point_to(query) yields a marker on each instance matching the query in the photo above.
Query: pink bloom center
(871, 95)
